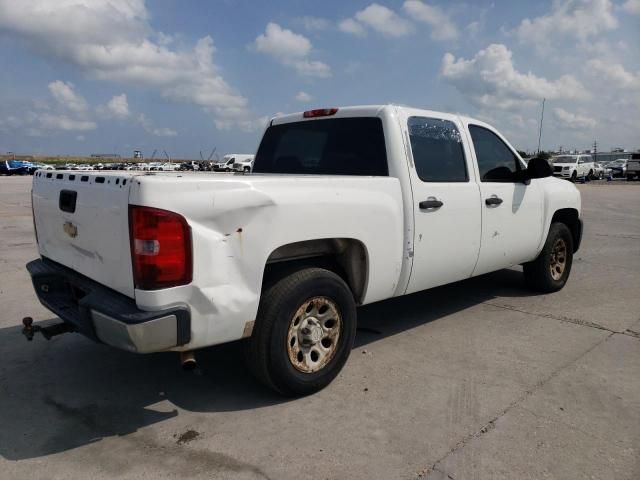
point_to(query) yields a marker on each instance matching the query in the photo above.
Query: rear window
(338, 146)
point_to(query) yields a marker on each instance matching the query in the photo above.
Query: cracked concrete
(481, 379)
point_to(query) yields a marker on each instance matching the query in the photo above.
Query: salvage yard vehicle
(573, 167)
(345, 207)
(598, 171)
(13, 167)
(243, 163)
(633, 167)
(618, 168)
(225, 165)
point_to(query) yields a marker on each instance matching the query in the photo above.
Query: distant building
(611, 156)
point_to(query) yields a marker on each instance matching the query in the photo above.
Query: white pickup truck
(345, 207)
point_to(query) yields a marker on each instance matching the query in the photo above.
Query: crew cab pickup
(345, 207)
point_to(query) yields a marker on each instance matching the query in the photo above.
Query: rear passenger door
(512, 211)
(446, 200)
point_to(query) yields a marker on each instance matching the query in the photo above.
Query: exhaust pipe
(188, 361)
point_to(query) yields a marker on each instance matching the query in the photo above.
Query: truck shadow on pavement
(70, 392)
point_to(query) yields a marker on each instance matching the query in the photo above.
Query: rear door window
(337, 146)
(437, 150)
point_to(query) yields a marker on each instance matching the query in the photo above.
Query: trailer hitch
(47, 331)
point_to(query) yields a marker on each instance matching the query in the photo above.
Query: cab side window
(496, 161)
(437, 150)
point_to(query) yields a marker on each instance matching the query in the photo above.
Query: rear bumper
(104, 315)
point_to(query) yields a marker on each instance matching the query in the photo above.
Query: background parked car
(573, 167)
(243, 163)
(13, 167)
(618, 168)
(225, 165)
(633, 167)
(598, 171)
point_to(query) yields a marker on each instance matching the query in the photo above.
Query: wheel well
(569, 216)
(345, 257)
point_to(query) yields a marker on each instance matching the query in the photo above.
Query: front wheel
(550, 271)
(591, 175)
(304, 332)
(574, 176)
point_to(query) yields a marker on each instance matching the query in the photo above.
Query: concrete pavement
(481, 379)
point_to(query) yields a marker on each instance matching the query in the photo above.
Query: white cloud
(80, 138)
(349, 25)
(282, 43)
(442, 27)
(384, 20)
(158, 132)
(614, 73)
(49, 121)
(491, 79)
(112, 40)
(117, 107)
(632, 7)
(579, 19)
(303, 97)
(65, 95)
(290, 49)
(67, 112)
(573, 120)
(313, 23)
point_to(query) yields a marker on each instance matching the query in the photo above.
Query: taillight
(320, 112)
(160, 248)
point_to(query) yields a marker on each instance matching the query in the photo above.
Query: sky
(110, 76)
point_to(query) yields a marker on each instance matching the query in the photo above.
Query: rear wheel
(591, 175)
(550, 271)
(304, 332)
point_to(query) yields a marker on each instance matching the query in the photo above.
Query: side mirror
(538, 168)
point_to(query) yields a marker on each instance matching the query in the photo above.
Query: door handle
(493, 201)
(425, 204)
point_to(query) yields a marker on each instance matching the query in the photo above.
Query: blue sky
(86, 76)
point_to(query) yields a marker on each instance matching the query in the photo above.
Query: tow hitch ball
(29, 329)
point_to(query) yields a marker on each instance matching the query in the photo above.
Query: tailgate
(82, 222)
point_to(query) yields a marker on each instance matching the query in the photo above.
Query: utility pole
(540, 131)
(595, 150)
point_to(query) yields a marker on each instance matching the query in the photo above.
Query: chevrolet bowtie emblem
(70, 229)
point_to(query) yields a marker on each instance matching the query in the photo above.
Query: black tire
(591, 176)
(537, 274)
(629, 178)
(266, 351)
(574, 176)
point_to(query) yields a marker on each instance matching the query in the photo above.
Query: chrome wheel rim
(558, 260)
(313, 335)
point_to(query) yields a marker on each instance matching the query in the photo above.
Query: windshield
(15, 164)
(565, 159)
(338, 146)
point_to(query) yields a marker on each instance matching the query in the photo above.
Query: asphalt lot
(477, 380)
